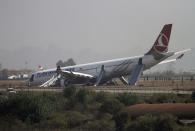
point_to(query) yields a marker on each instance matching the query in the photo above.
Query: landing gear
(100, 76)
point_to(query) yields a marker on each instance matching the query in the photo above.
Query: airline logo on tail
(161, 44)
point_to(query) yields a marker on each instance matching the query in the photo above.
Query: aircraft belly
(111, 73)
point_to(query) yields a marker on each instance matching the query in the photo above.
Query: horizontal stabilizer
(178, 57)
(171, 60)
(181, 52)
(167, 61)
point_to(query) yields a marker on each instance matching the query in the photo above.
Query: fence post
(182, 80)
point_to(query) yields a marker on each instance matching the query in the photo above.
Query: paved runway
(136, 90)
(146, 91)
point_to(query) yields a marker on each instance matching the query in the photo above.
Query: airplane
(98, 73)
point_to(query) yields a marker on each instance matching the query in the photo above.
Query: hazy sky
(43, 31)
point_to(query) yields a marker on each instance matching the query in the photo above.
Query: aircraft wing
(71, 75)
(167, 61)
(66, 75)
(50, 81)
(181, 52)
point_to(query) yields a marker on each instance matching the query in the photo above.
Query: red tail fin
(161, 44)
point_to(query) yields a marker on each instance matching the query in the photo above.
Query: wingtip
(182, 51)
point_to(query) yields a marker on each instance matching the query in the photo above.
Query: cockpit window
(32, 78)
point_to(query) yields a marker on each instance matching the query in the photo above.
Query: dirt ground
(12, 83)
(181, 110)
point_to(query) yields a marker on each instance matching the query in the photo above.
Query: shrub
(164, 122)
(99, 125)
(101, 96)
(9, 123)
(143, 123)
(56, 121)
(69, 91)
(82, 95)
(120, 120)
(27, 107)
(111, 106)
(75, 119)
(76, 98)
(162, 98)
(127, 99)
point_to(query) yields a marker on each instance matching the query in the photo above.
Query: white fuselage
(113, 68)
(100, 72)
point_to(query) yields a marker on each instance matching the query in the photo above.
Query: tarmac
(110, 89)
